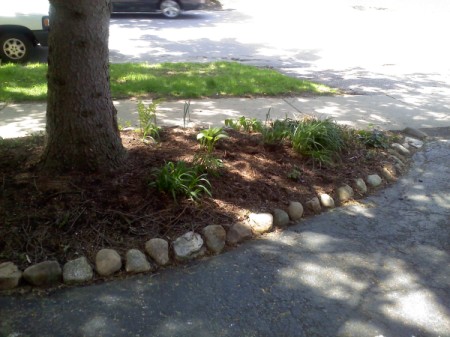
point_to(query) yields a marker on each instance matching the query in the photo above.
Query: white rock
(260, 222)
(295, 210)
(413, 142)
(158, 250)
(136, 262)
(77, 271)
(215, 237)
(187, 246)
(326, 200)
(10, 276)
(401, 149)
(374, 180)
(361, 186)
(107, 262)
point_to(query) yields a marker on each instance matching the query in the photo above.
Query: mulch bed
(64, 217)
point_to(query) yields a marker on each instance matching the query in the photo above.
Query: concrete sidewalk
(361, 111)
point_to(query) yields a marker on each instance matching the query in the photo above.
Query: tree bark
(82, 130)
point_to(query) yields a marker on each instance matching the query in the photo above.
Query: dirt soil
(64, 217)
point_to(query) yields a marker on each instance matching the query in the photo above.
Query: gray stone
(401, 149)
(260, 222)
(215, 237)
(414, 142)
(415, 133)
(187, 246)
(10, 276)
(136, 262)
(238, 233)
(374, 180)
(345, 193)
(314, 205)
(295, 210)
(326, 200)
(44, 273)
(107, 262)
(280, 218)
(158, 250)
(77, 271)
(388, 173)
(361, 186)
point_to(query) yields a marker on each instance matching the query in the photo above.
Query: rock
(374, 180)
(280, 218)
(77, 271)
(345, 193)
(398, 155)
(413, 142)
(388, 173)
(401, 149)
(10, 275)
(107, 262)
(415, 133)
(260, 222)
(158, 250)
(314, 205)
(188, 246)
(238, 233)
(397, 160)
(361, 186)
(44, 273)
(215, 237)
(136, 262)
(295, 210)
(326, 201)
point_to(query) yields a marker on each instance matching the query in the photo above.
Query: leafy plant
(147, 119)
(373, 138)
(206, 162)
(179, 179)
(295, 173)
(246, 124)
(273, 133)
(209, 137)
(321, 140)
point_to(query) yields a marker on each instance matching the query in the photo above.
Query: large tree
(82, 130)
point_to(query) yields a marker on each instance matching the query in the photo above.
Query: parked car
(23, 25)
(169, 8)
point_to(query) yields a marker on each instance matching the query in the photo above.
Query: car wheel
(170, 8)
(15, 47)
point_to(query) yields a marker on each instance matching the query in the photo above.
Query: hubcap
(170, 9)
(15, 49)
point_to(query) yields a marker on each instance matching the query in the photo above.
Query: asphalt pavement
(377, 268)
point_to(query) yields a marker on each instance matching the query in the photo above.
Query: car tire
(15, 47)
(170, 9)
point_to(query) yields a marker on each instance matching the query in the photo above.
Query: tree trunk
(82, 131)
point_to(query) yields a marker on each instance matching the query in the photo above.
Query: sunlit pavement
(376, 268)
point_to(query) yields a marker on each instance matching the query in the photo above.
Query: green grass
(19, 83)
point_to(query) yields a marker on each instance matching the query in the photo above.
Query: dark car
(169, 8)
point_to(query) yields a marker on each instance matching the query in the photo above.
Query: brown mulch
(64, 217)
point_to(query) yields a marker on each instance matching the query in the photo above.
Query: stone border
(212, 240)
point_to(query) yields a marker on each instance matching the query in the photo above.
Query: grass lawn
(19, 83)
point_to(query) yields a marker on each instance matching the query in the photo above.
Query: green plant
(320, 139)
(147, 119)
(373, 138)
(209, 137)
(295, 173)
(246, 124)
(273, 133)
(179, 179)
(123, 125)
(206, 162)
(186, 112)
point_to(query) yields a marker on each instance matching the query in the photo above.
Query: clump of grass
(178, 179)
